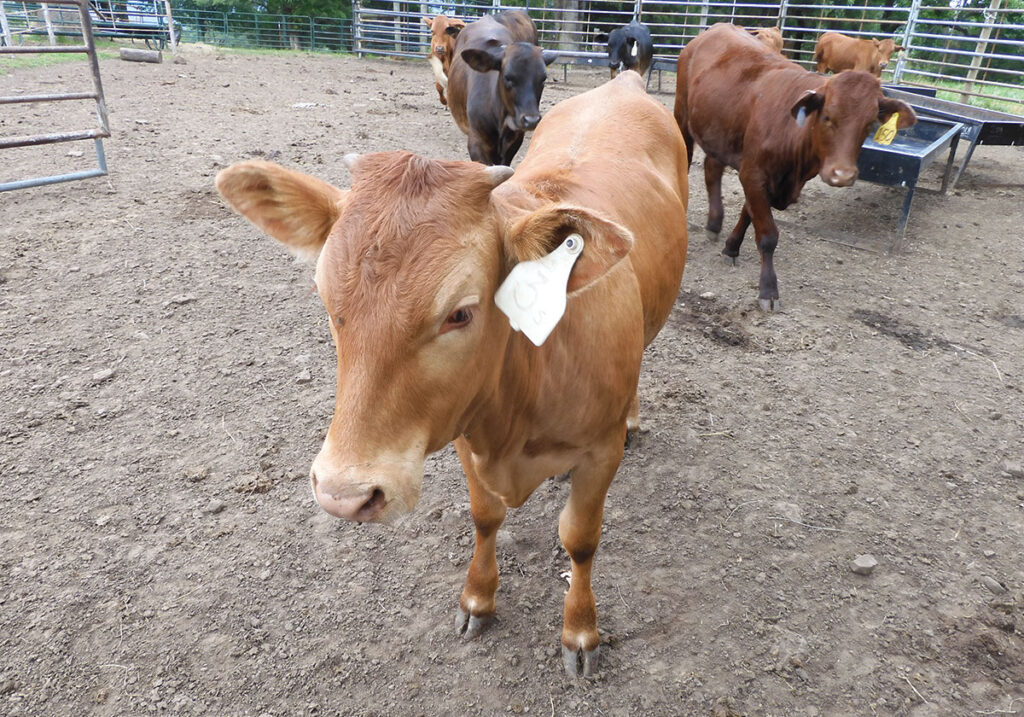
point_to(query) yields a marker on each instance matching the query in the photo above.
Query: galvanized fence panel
(34, 22)
(265, 30)
(83, 37)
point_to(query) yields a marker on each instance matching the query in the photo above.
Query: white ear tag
(633, 50)
(533, 295)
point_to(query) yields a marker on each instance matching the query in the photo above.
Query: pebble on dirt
(1014, 468)
(215, 506)
(863, 564)
(994, 586)
(104, 375)
(305, 376)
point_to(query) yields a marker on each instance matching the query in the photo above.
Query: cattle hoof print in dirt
(470, 626)
(581, 663)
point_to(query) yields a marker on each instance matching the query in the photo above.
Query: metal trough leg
(897, 243)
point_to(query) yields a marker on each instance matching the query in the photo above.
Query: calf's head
(408, 262)
(884, 50)
(839, 115)
(521, 69)
(444, 31)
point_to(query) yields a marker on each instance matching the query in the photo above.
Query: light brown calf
(836, 52)
(409, 261)
(444, 31)
(770, 36)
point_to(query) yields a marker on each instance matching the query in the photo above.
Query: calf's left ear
(887, 105)
(549, 56)
(485, 60)
(605, 243)
(294, 208)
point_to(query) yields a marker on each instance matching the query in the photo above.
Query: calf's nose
(360, 503)
(530, 121)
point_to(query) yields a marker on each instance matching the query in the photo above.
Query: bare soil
(166, 377)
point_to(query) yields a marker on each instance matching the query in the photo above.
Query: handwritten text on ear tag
(887, 132)
(533, 295)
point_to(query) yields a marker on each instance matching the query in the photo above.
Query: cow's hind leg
(579, 528)
(476, 604)
(713, 170)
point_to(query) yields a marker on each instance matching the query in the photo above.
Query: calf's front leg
(476, 604)
(579, 528)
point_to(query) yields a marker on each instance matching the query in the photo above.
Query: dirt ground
(166, 377)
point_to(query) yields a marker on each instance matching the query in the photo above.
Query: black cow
(495, 84)
(629, 48)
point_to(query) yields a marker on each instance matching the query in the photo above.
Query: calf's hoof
(470, 626)
(580, 663)
(770, 305)
(711, 234)
(635, 437)
(730, 260)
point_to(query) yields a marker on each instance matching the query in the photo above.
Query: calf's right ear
(810, 101)
(485, 60)
(294, 208)
(428, 21)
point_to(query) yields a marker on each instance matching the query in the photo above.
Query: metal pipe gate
(97, 134)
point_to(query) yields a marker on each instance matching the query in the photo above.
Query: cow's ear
(549, 56)
(605, 243)
(454, 28)
(294, 208)
(899, 48)
(810, 101)
(887, 105)
(601, 37)
(428, 21)
(485, 60)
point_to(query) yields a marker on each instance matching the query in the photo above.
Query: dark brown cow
(409, 261)
(836, 52)
(495, 84)
(751, 109)
(443, 32)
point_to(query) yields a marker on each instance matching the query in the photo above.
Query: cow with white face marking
(410, 260)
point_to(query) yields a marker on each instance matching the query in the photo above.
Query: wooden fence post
(980, 48)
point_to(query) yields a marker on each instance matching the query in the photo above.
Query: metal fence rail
(29, 22)
(970, 53)
(85, 31)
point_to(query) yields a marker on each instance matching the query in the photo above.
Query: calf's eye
(457, 320)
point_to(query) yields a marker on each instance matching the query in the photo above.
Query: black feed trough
(981, 126)
(901, 163)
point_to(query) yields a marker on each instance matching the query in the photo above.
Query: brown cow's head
(443, 32)
(840, 114)
(521, 76)
(884, 50)
(409, 260)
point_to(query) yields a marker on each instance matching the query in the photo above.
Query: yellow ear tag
(887, 132)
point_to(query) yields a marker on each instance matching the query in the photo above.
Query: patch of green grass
(1001, 99)
(10, 63)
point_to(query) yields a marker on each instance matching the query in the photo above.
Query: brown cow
(495, 84)
(770, 36)
(443, 32)
(751, 109)
(409, 261)
(836, 52)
